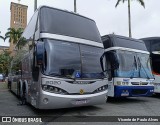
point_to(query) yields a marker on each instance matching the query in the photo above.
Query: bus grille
(139, 91)
(139, 83)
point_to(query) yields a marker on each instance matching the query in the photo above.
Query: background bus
(57, 64)
(153, 46)
(129, 58)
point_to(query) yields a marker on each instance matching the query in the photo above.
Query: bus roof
(44, 6)
(150, 38)
(113, 40)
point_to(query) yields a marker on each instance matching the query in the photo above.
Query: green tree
(21, 43)
(14, 34)
(129, 13)
(5, 60)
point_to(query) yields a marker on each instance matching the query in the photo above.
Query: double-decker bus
(129, 67)
(153, 46)
(57, 61)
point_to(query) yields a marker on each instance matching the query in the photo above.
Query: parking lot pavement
(137, 106)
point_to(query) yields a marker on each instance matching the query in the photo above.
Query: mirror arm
(101, 61)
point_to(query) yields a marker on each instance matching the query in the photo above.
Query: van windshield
(72, 60)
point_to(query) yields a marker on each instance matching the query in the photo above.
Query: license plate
(80, 102)
(125, 94)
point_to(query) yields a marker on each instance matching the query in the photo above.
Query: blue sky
(145, 22)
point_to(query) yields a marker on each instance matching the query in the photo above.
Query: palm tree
(14, 34)
(5, 60)
(75, 6)
(2, 38)
(129, 13)
(35, 5)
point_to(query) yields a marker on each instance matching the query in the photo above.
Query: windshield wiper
(143, 68)
(100, 75)
(70, 77)
(61, 76)
(55, 74)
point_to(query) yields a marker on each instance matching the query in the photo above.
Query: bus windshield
(133, 65)
(72, 60)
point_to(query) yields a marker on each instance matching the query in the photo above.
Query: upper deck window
(60, 22)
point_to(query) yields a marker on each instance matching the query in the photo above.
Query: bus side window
(34, 68)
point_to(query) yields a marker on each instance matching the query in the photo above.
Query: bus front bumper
(133, 91)
(56, 101)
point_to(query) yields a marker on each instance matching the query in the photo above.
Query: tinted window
(156, 63)
(65, 59)
(62, 57)
(129, 43)
(64, 23)
(30, 29)
(155, 45)
(91, 61)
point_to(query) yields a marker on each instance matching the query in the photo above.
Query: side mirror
(113, 58)
(39, 53)
(101, 62)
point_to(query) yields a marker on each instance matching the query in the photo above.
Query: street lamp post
(75, 6)
(35, 5)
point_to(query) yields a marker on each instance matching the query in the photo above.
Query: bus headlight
(53, 89)
(122, 83)
(119, 83)
(102, 88)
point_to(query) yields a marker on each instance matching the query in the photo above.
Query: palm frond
(141, 2)
(2, 38)
(8, 34)
(6, 37)
(117, 3)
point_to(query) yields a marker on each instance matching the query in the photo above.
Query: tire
(9, 85)
(110, 99)
(18, 89)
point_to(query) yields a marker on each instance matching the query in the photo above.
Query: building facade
(18, 18)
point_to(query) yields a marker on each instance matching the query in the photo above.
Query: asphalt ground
(135, 106)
